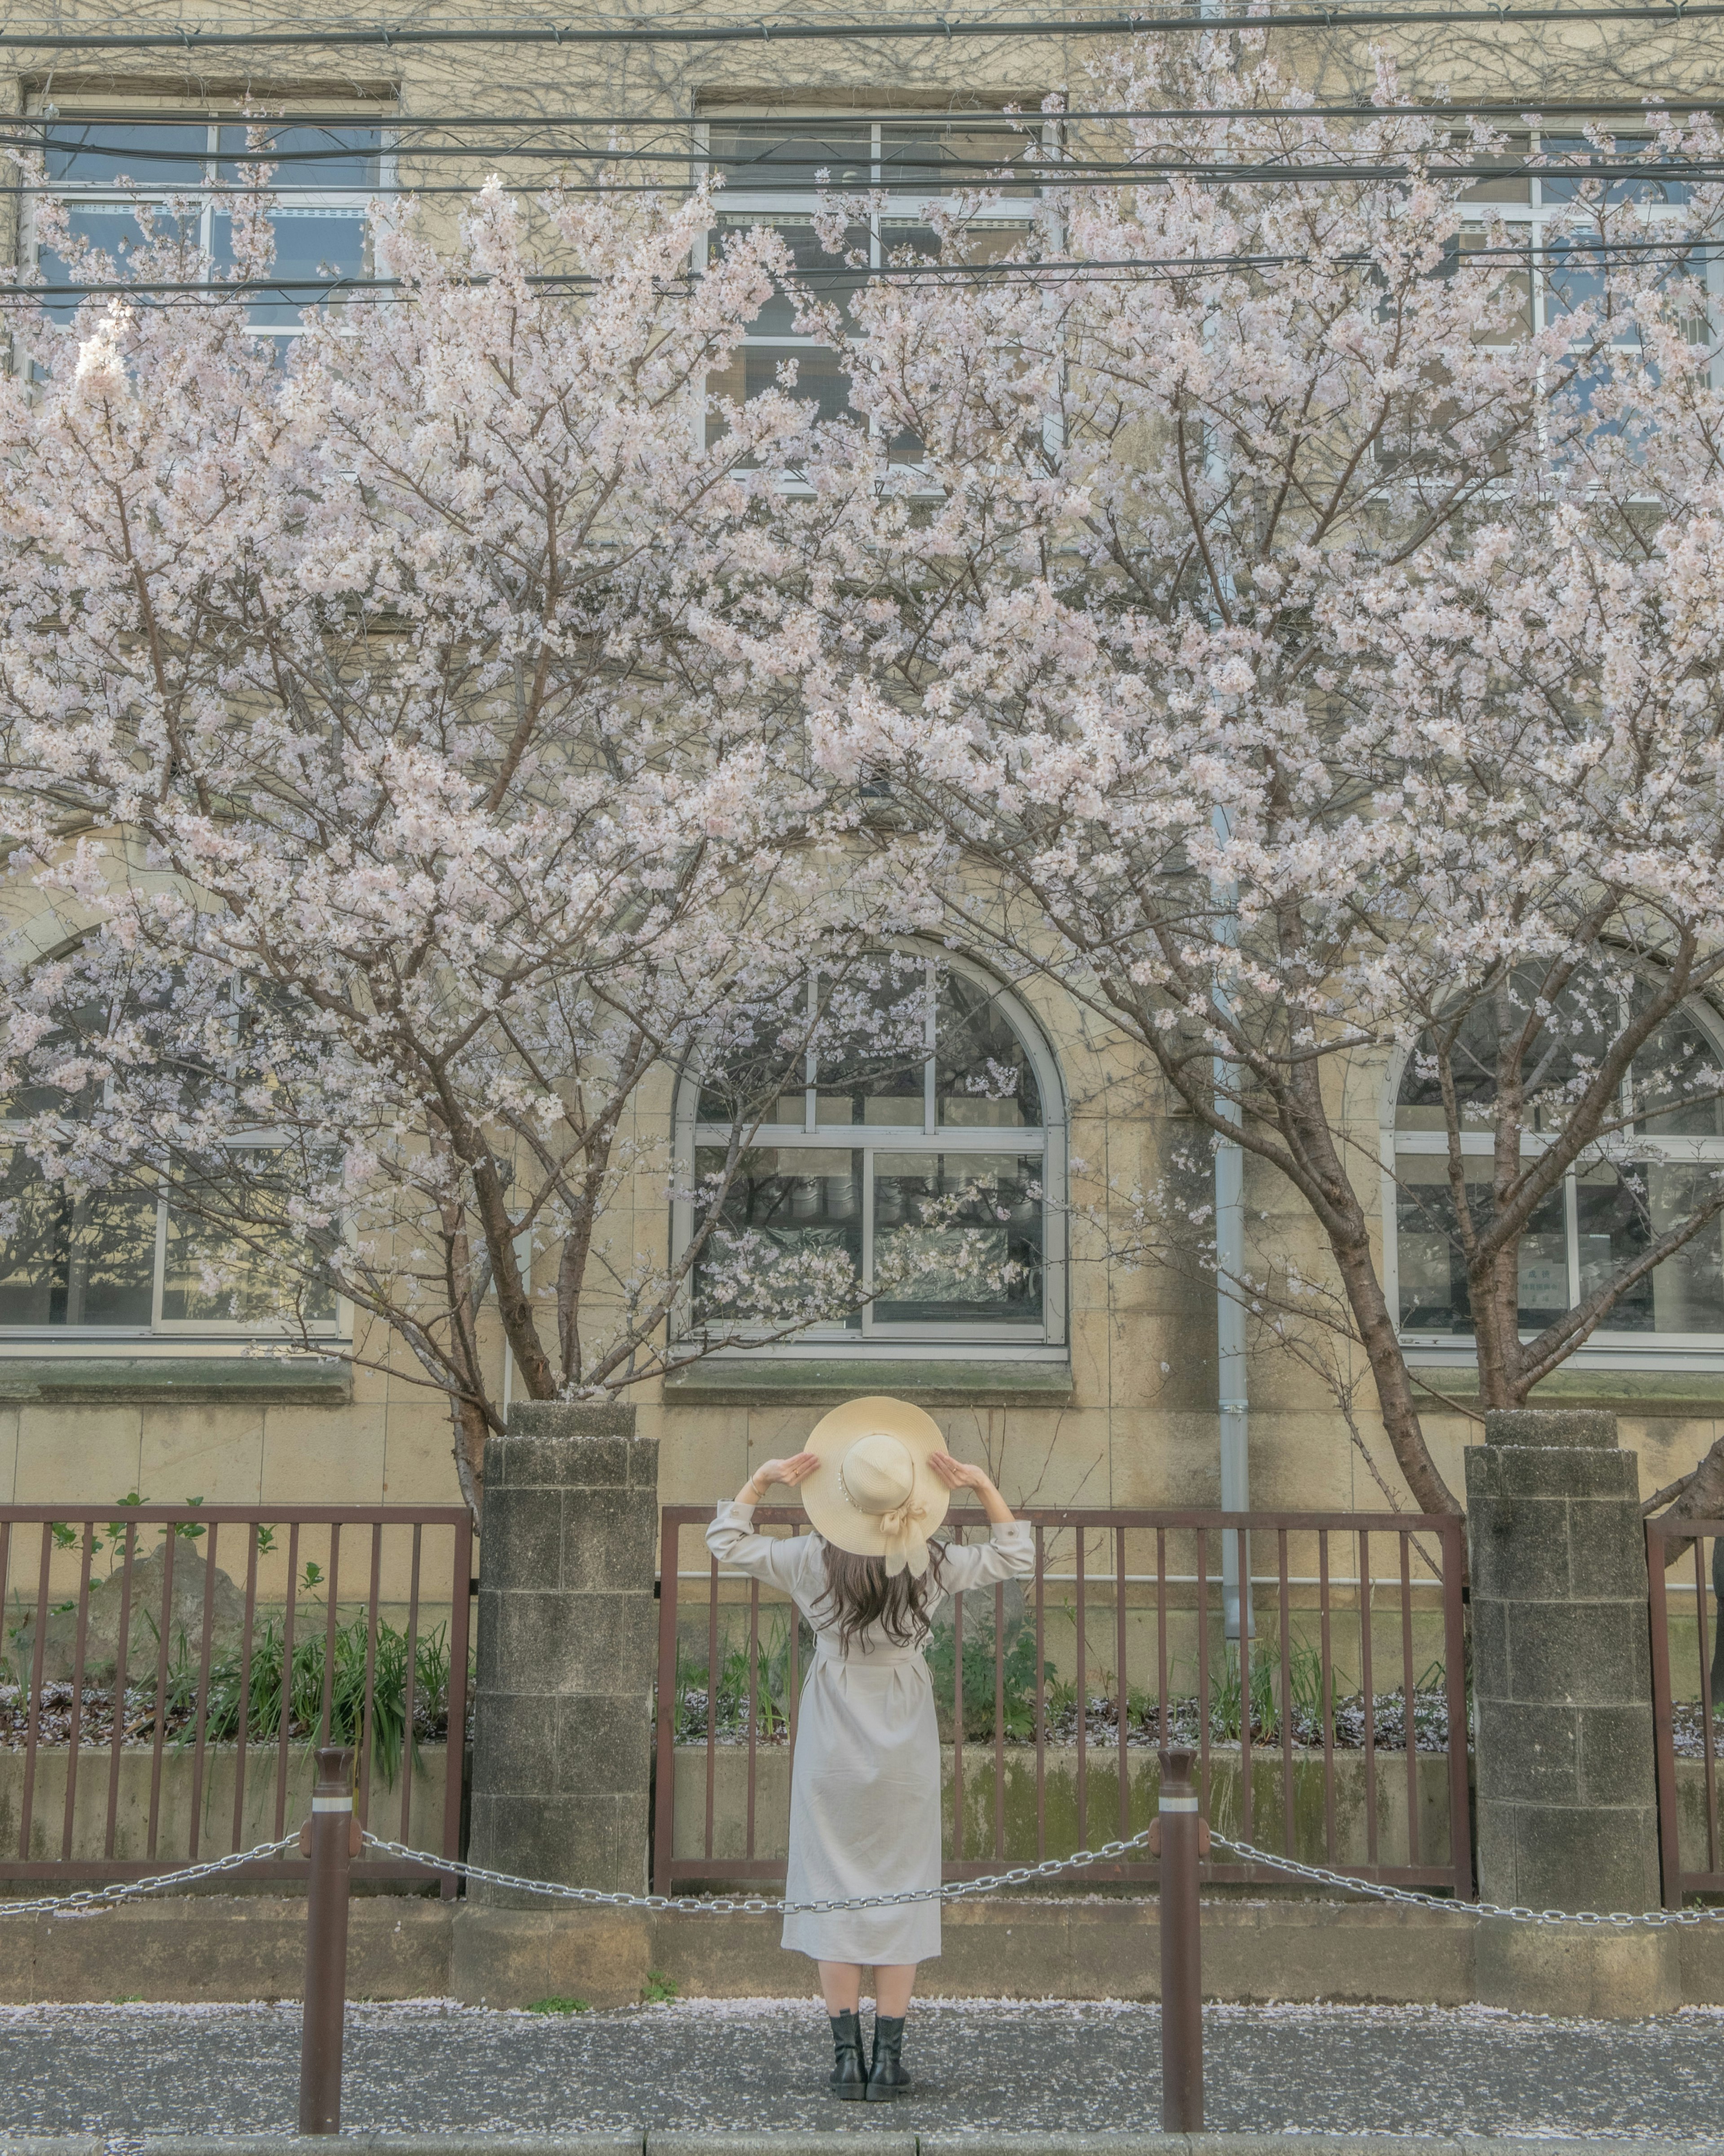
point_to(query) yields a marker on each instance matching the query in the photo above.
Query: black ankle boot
(848, 2079)
(885, 2075)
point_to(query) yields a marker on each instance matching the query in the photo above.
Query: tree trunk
(470, 1430)
(1388, 1369)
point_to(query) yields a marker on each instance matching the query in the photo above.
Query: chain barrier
(1597, 1919)
(761, 1905)
(956, 1890)
(129, 1890)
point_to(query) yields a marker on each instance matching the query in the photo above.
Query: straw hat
(873, 1493)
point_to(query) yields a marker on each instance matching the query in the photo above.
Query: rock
(101, 1637)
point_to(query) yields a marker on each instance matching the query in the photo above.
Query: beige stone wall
(1140, 1427)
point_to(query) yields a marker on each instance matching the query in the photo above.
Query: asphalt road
(429, 2066)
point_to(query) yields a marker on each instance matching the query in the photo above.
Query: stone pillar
(568, 1640)
(1563, 1688)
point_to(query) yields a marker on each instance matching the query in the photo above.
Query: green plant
(1018, 1676)
(659, 1990)
(299, 1686)
(728, 1704)
(561, 2005)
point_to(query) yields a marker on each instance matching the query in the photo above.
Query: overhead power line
(386, 38)
(957, 177)
(1513, 108)
(1582, 260)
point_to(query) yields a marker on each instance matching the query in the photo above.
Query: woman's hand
(797, 1469)
(959, 1475)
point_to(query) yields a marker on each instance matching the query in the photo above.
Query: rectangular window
(125, 1262)
(773, 169)
(1563, 266)
(137, 180)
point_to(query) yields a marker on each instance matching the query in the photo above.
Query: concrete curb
(848, 2141)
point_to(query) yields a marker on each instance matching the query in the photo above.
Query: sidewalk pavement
(982, 2070)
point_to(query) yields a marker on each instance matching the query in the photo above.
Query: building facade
(1096, 1380)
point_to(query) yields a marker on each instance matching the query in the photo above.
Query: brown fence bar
(209, 1661)
(1685, 1658)
(1297, 1709)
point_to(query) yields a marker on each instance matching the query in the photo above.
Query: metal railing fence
(1337, 1725)
(167, 1671)
(1687, 1678)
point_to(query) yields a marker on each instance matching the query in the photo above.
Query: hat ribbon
(907, 1545)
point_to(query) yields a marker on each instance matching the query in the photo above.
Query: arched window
(904, 1155)
(1625, 1191)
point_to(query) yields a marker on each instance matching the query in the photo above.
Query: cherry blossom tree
(1200, 665)
(388, 823)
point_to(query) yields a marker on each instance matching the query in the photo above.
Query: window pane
(947, 1227)
(825, 276)
(326, 157)
(778, 153)
(927, 157)
(1675, 1075)
(1623, 1207)
(799, 1200)
(1567, 1042)
(1615, 1227)
(982, 1074)
(73, 1261)
(1564, 187)
(873, 1059)
(1433, 1289)
(1687, 1289)
(1504, 187)
(113, 229)
(309, 243)
(147, 154)
(257, 1270)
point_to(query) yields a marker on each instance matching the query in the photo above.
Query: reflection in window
(891, 1155)
(1604, 1215)
(959, 1236)
(129, 1260)
(161, 1257)
(184, 175)
(774, 170)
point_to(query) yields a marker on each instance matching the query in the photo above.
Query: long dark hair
(860, 1595)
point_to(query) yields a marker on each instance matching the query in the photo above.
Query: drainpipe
(1233, 1398)
(1232, 1393)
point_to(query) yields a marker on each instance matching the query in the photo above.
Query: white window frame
(1605, 1348)
(291, 197)
(1535, 217)
(969, 1340)
(740, 208)
(339, 1327)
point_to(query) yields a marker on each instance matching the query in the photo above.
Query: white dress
(864, 1792)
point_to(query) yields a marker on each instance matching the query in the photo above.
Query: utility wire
(1499, 16)
(903, 116)
(1583, 258)
(980, 173)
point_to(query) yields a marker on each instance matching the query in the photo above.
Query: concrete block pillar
(567, 1640)
(1563, 1688)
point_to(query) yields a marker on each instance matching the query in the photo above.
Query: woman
(864, 1795)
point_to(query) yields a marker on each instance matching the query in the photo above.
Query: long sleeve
(780, 1562)
(1009, 1553)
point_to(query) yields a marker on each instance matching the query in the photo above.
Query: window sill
(54, 1380)
(1677, 1396)
(954, 1383)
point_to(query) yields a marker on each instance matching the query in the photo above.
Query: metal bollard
(1182, 1954)
(328, 1833)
